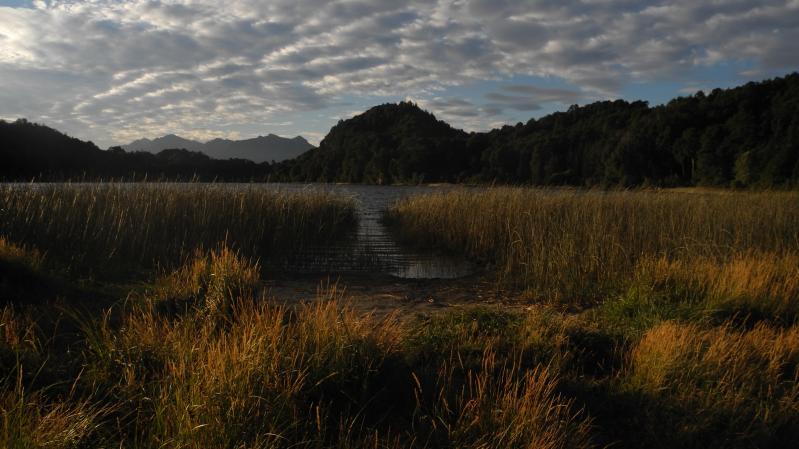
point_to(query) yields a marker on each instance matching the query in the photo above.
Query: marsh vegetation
(140, 225)
(646, 319)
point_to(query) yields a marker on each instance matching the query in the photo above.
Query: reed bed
(116, 226)
(692, 339)
(584, 245)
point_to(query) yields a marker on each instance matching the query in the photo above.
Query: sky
(116, 71)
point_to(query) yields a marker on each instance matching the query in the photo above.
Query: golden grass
(210, 282)
(262, 375)
(765, 284)
(28, 418)
(12, 254)
(30, 422)
(503, 405)
(742, 383)
(107, 226)
(568, 245)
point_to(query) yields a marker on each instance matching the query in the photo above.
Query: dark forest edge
(746, 136)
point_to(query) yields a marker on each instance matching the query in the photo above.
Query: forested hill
(29, 151)
(745, 136)
(386, 144)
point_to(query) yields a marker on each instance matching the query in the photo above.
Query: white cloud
(129, 68)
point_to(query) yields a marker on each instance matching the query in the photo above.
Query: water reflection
(372, 249)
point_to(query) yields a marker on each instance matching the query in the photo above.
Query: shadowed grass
(255, 374)
(106, 227)
(747, 288)
(31, 422)
(21, 277)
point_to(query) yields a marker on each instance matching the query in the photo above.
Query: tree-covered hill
(386, 144)
(745, 136)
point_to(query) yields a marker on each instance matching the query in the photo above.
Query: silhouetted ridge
(31, 151)
(388, 143)
(260, 149)
(745, 136)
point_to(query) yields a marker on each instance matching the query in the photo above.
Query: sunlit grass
(256, 374)
(576, 245)
(736, 388)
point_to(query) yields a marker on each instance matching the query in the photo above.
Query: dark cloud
(545, 94)
(500, 102)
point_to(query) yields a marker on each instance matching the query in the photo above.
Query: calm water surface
(373, 249)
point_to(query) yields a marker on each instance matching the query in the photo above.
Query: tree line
(746, 136)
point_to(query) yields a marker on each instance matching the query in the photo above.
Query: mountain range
(259, 149)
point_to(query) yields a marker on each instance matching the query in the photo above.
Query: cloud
(112, 70)
(545, 94)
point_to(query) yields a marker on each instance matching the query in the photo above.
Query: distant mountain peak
(258, 149)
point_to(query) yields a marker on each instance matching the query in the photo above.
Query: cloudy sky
(114, 71)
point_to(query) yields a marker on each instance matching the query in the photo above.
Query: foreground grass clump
(719, 386)
(209, 282)
(31, 421)
(577, 245)
(107, 226)
(257, 374)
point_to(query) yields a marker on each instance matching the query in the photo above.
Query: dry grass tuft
(210, 282)
(30, 422)
(738, 385)
(502, 405)
(16, 255)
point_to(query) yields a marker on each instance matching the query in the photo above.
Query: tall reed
(100, 226)
(578, 244)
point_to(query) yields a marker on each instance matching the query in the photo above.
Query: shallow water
(373, 250)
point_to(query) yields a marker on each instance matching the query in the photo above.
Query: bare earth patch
(383, 294)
